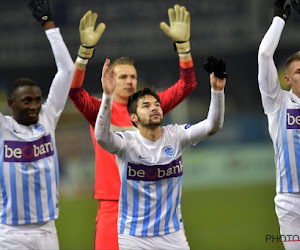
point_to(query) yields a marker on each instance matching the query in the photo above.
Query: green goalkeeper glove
(89, 36)
(179, 29)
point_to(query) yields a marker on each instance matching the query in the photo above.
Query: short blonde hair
(292, 58)
(121, 61)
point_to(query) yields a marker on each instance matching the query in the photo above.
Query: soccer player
(283, 109)
(150, 164)
(107, 180)
(28, 162)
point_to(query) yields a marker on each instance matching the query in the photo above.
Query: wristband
(182, 47)
(81, 60)
(86, 52)
(184, 54)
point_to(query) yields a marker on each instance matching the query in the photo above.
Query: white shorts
(176, 240)
(287, 207)
(29, 236)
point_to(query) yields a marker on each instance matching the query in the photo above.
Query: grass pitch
(225, 218)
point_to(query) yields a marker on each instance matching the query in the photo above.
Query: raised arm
(179, 32)
(179, 29)
(215, 118)
(268, 80)
(175, 94)
(89, 37)
(65, 68)
(107, 140)
(87, 105)
(61, 83)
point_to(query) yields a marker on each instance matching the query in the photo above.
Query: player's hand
(89, 36)
(40, 10)
(217, 66)
(280, 10)
(296, 5)
(179, 29)
(218, 84)
(108, 79)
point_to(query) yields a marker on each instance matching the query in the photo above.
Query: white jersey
(283, 111)
(151, 172)
(29, 163)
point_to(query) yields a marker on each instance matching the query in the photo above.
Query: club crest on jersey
(293, 118)
(23, 151)
(39, 127)
(187, 126)
(169, 151)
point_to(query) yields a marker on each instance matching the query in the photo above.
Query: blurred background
(229, 182)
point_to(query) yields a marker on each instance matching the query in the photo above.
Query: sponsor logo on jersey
(19, 151)
(154, 173)
(169, 151)
(293, 118)
(187, 126)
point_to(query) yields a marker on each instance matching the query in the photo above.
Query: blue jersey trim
(147, 209)
(169, 205)
(13, 191)
(135, 212)
(26, 198)
(51, 208)
(297, 153)
(158, 208)
(287, 163)
(38, 198)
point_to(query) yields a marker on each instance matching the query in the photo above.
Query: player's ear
(133, 117)
(10, 102)
(287, 80)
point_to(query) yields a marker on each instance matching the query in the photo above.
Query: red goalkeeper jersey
(107, 180)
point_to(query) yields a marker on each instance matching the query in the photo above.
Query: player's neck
(152, 134)
(296, 92)
(121, 99)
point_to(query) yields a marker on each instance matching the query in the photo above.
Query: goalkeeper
(107, 180)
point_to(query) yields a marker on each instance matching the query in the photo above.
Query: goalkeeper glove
(296, 5)
(217, 66)
(281, 11)
(179, 29)
(89, 36)
(40, 10)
